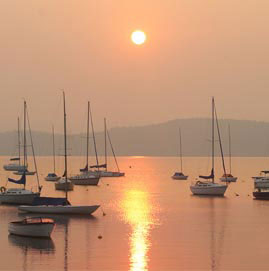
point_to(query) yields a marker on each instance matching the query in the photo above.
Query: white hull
(67, 209)
(209, 189)
(228, 179)
(52, 179)
(35, 230)
(14, 167)
(180, 177)
(17, 197)
(85, 179)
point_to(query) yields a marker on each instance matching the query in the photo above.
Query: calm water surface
(152, 222)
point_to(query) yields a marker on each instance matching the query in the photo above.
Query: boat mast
(53, 149)
(180, 151)
(230, 151)
(19, 141)
(105, 144)
(33, 151)
(65, 154)
(87, 151)
(213, 107)
(113, 151)
(94, 142)
(24, 138)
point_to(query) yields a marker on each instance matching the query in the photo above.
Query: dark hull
(261, 195)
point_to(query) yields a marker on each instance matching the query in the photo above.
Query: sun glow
(138, 37)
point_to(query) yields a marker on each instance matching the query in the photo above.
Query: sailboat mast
(113, 151)
(105, 144)
(19, 141)
(213, 107)
(24, 138)
(180, 150)
(65, 143)
(53, 149)
(94, 142)
(230, 151)
(87, 151)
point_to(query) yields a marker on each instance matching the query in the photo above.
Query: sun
(138, 37)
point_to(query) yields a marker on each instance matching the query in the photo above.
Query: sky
(195, 49)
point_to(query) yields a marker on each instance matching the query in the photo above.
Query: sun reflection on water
(138, 213)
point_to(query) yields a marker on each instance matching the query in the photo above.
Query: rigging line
(32, 145)
(220, 144)
(109, 139)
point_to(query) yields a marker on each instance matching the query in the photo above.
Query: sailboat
(49, 205)
(107, 173)
(16, 166)
(229, 177)
(87, 177)
(20, 195)
(180, 175)
(52, 177)
(207, 187)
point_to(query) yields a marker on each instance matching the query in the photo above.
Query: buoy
(100, 237)
(236, 194)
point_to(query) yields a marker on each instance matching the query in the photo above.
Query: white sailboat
(13, 166)
(21, 195)
(228, 177)
(59, 205)
(206, 187)
(52, 177)
(87, 177)
(107, 173)
(180, 175)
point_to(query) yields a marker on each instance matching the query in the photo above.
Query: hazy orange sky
(194, 49)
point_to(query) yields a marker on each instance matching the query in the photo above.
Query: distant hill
(249, 138)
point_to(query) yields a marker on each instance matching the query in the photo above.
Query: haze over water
(152, 222)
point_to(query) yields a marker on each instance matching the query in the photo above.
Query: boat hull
(229, 179)
(214, 190)
(29, 173)
(7, 198)
(14, 167)
(64, 186)
(261, 195)
(35, 230)
(52, 179)
(85, 180)
(67, 209)
(180, 177)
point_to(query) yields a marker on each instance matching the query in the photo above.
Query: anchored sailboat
(21, 195)
(16, 166)
(50, 205)
(229, 177)
(87, 177)
(180, 175)
(52, 177)
(206, 187)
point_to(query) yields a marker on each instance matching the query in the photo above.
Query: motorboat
(32, 227)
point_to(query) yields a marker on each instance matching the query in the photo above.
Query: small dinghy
(33, 227)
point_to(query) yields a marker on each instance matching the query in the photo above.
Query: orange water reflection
(138, 213)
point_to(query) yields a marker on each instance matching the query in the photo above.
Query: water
(152, 222)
